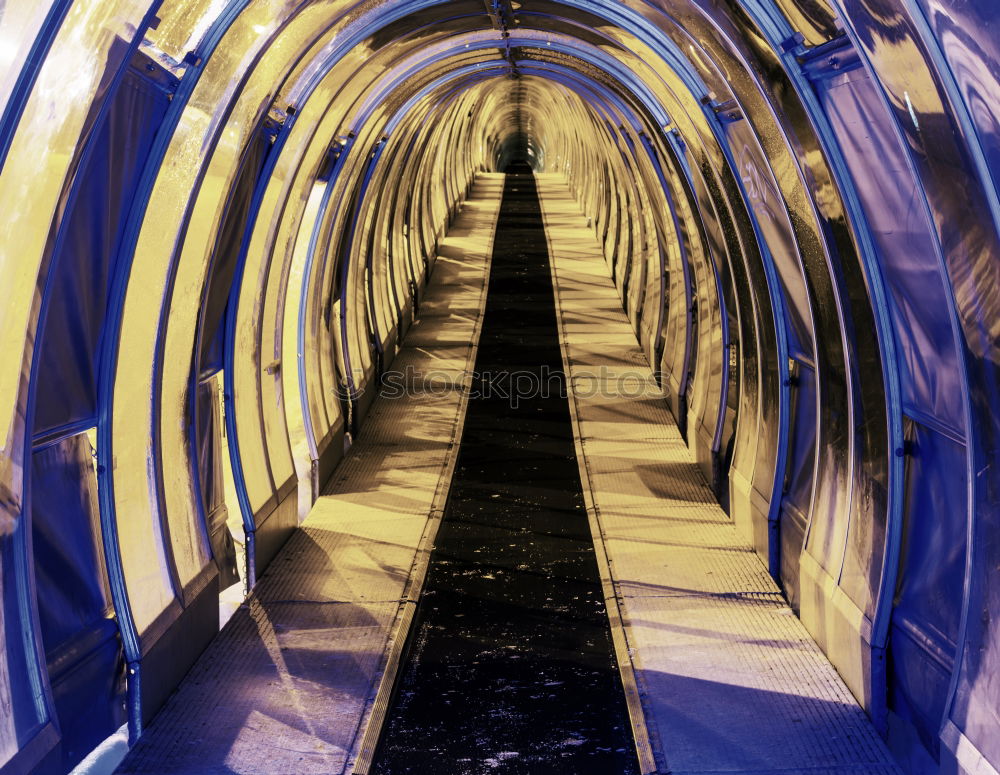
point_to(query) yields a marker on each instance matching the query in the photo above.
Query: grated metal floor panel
(730, 679)
(288, 685)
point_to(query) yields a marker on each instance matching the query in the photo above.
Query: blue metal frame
(404, 154)
(975, 149)
(328, 193)
(868, 253)
(195, 378)
(685, 261)
(605, 102)
(24, 558)
(386, 17)
(338, 162)
(229, 385)
(344, 262)
(776, 28)
(779, 316)
(667, 49)
(239, 474)
(398, 116)
(627, 19)
(201, 58)
(974, 145)
(109, 356)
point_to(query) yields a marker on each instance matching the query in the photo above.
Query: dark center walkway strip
(511, 667)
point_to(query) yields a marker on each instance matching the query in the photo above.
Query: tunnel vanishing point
(262, 262)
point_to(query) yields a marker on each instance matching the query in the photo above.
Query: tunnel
(275, 282)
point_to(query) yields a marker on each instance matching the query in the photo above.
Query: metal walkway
(511, 665)
(721, 675)
(730, 679)
(289, 684)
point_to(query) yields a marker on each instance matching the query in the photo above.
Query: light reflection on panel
(19, 26)
(249, 367)
(303, 443)
(930, 375)
(183, 24)
(83, 56)
(275, 233)
(177, 183)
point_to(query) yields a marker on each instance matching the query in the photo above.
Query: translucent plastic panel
(323, 340)
(768, 207)
(323, 344)
(358, 336)
(272, 393)
(373, 245)
(322, 351)
(83, 270)
(712, 359)
(969, 36)
(944, 157)
(798, 479)
(929, 361)
(182, 25)
(929, 589)
(202, 118)
(69, 558)
(247, 367)
(22, 714)
(228, 247)
(661, 239)
(382, 240)
(279, 233)
(80, 636)
(20, 23)
(815, 19)
(36, 167)
(304, 444)
(674, 362)
(147, 437)
(396, 236)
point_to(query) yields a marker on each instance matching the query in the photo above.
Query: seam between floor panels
(647, 744)
(363, 751)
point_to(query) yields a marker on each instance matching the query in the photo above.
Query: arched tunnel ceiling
(796, 198)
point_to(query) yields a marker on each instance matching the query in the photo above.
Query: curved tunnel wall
(797, 201)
